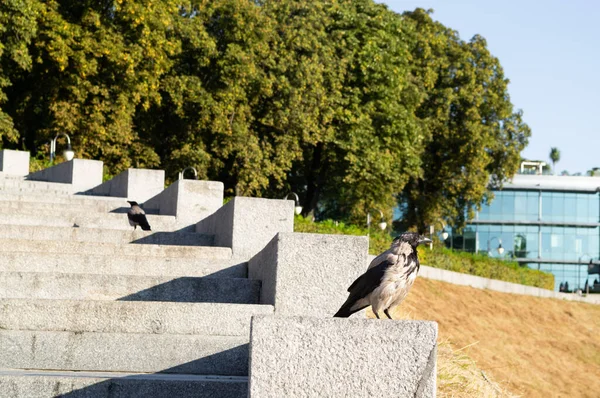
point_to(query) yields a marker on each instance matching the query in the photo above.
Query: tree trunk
(313, 181)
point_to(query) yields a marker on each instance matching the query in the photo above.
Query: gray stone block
(216, 319)
(68, 233)
(112, 249)
(311, 357)
(75, 218)
(248, 224)
(12, 186)
(308, 274)
(189, 200)
(82, 174)
(53, 384)
(62, 201)
(127, 352)
(82, 263)
(134, 184)
(56, 207)
(14, 162)
(42, 285)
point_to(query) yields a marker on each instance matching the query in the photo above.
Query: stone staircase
(91, 308)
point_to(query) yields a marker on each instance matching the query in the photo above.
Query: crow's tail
(342, 313)
(145, 226)
(347, 310)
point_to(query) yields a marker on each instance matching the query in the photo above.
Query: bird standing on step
(137, 216)
(388, 278)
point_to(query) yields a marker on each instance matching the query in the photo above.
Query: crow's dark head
(412, 238)
(132, 203)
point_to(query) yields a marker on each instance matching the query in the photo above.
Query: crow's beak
(424, 240)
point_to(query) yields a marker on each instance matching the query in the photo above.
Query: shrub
(466, 263)
(486, 267)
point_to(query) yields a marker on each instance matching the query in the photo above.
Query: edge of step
(76, 384)
(138, 317)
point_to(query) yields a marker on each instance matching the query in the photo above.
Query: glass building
(545, 222)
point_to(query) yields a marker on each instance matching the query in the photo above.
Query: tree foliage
(473, 135)
(554, 157)
(345, 102)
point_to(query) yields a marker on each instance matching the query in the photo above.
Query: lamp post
(181, 173)
(500, 248)
(382, 224)
(444, 234)
(297, 207)
(67, 153)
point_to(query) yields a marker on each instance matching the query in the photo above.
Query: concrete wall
(83, 174)
(248, 224)
(499, 286)
(188, 200)
(14, 162)
(311, 357)
(308, 274)
(478, 282)
(133, 184)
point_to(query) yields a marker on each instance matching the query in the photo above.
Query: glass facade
(512, 205)
(570, 207)
(557, 230)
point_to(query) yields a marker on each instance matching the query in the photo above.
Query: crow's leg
(134, 227)
(376, 314)
(387, 313)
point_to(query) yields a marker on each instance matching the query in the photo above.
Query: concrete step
(42, 200)
(124, 352)
(51, 384)
(212, 319)
(46, 233)
(7, 176)
(17, 206)
(112, 249)
(86, 220)
(43, 285)
(123, 265)
(21, 185)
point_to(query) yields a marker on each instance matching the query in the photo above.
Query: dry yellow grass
(459, 377)
(531, 347)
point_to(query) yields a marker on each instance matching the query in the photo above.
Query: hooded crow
(137, 216)
(388, 278)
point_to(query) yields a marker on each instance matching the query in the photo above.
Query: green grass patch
(439, 257)
(378, 241)
(484, 266)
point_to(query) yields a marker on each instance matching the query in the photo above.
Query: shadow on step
(182, 237)
(125, 209)
(201, 290)
(227, 369)
(234, 271)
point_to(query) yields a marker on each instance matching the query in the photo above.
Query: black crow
(137, 216)
(388, 278)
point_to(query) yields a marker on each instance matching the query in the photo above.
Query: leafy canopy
(346, 103)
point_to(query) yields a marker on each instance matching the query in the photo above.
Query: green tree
(473, 138)
(349, 71)
(595, 171)
(207, 115)
(18, 27)
(93, 65)
(554, 157)
(344, 102)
